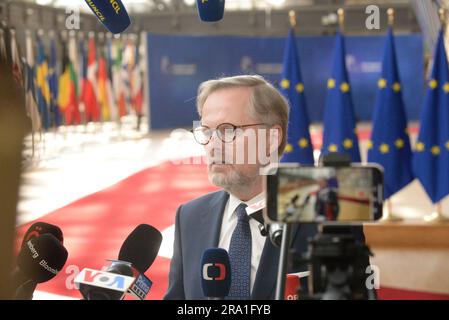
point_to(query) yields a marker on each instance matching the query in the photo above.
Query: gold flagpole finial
(341, 18)
(442, 14)
(390, 13)
(292, 17)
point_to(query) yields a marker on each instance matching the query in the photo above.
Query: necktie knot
(241, 213)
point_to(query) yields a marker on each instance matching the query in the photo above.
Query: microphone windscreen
(215, 273)
(111, 13)
(39, 228)
(42, 258)
(141, 247)
(210, 10)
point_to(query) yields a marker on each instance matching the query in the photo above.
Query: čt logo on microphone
(214, 271)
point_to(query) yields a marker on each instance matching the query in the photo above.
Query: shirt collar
(234, 203)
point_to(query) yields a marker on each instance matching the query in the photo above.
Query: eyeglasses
(225, 131)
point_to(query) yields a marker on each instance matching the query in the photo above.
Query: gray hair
(267, 103)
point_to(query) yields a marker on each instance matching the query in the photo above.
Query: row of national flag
(76, 80)
(389, 145)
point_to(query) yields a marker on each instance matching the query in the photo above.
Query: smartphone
(331, 195)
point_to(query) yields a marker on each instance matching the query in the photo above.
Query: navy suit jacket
(197, 228)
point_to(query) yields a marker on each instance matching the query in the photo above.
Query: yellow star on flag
(369, 144)
(300, 87)
(347, 143)
(397, 87)
(384, 148)
(285, 84)
(433, 84)
(288, 148)
(382, 83)
(447, 145)
(435, 150)
(330, 83)
(303, 143)
(420, 146)
(399, 143)
(446, 87)
(344, 87)
(333, 148)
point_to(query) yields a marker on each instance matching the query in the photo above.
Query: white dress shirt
(227, 228)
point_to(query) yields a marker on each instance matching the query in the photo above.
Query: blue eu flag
(431, 158)
(339, 120)
(299, 146)
(390, 144)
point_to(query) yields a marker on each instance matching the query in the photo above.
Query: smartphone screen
(351, 194)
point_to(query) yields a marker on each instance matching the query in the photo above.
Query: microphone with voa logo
(125, 275)
(111, 13)
(215, 274)
(210, 10)
(39, 260)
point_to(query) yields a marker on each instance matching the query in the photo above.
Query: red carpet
(95, 227)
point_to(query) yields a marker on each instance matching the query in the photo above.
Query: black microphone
(39, 228)
(125, 275)
(215, 274)
(40, 260)
(111, 13)
(210, 10)
(26, 290)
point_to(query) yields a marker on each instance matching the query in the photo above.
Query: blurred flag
(110, 62)
(299, 147)
(118, 83)
(43, 89)
(68, 86)
(30, 89)
(390, 144)
(128, 62)
(431, 158)
(103, 92)
(15, 59)
(89, 93)
(53, 83)
(339, 120)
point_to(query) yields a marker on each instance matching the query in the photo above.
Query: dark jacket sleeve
(175, 289)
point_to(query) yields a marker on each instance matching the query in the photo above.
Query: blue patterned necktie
(240, 256)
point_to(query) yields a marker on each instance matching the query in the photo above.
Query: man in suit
(236, 114)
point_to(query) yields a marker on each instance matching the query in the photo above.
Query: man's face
(228, 165)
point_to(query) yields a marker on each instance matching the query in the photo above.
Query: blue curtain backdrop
(178, 64)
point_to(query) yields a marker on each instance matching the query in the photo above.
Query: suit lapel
(213, 218)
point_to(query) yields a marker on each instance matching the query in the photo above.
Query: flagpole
(292, 18)
(388, 215)
(341, 19)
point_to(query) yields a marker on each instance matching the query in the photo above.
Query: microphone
(39, 260)
(210, 10)
(215, 274)
(125, 275)
(276, 230)
(39, 228)
(144, 239)
(111, 13)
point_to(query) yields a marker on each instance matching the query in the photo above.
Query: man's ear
(275, 138)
